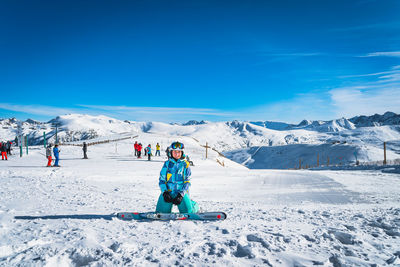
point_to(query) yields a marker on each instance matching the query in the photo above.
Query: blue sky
(214, 60)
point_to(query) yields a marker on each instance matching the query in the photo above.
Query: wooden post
(299, 164)
(44, 139)
(207, 149)
(327, 161)
(317, 160)
(384, 153)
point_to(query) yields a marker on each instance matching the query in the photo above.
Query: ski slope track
(275, 217)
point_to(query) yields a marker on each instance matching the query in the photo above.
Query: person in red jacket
(135, 147)
(139, 150)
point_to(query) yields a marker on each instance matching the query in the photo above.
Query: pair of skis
(204, 216)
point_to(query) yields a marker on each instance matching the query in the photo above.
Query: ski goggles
(177, 146)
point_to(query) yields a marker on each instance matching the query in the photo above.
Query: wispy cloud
(276, 56)
(163, 114)
(377, 95)
(383, 54)
(387, 25)
(40, 110)
(350, 102)
(293, 54)
(394, 70)
(159, 110)
(315, 106)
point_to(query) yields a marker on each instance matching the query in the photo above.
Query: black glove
(167, 197)
(178, 199)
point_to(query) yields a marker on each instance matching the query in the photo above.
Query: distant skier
(190, 162)
(9, 145)
(48, 155)
(84, 148)
(139, 150)
(56, 153)
(145, 151)
(167, 152)
(135, 147)
(157, 149)
(149, 152)
(174, 183)
(3, 150)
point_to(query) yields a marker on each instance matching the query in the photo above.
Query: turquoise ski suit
(175, 178)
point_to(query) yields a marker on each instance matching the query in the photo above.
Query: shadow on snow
(72, 216)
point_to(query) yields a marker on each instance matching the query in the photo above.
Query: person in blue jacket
(56, 153)
(149, 152)
(174, 183)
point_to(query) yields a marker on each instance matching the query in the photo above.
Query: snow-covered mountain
(360, 137)
(194, 122)
(389, 118)
(273, 125)
(320, 126)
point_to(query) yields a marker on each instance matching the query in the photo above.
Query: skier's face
(176, 154)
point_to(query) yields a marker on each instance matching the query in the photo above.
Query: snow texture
(275, 217)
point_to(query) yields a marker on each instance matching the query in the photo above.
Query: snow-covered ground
(275, 217)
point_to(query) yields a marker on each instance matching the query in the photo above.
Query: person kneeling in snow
(174, 183)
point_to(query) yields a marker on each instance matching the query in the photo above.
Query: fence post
(317, 159)
(299, 164)
(384, 153)
(20, 145)
(327, 161)
(207, 149)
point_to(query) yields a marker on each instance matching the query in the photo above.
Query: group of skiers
(56, 152)
(5, 148)
(147, 150)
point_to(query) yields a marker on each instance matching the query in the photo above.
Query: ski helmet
(177, 146)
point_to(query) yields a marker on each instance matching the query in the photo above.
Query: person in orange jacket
(48, 155)
(3, 150)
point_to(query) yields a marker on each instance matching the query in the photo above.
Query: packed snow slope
(275, 217)
(343, 141)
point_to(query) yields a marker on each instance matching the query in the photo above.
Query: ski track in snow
(275, 217)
